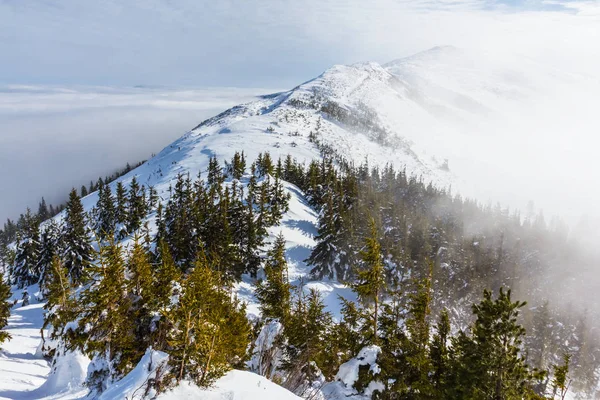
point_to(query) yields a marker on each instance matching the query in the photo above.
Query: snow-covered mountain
(405, 112)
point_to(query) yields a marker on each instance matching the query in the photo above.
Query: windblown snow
(408, 106)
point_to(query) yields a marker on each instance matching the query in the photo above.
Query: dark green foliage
(210, 331)
(561, 381)
(5, 307)
(77, 252)
(487, 361)
(309, 345)
(107, 319)
(61, 306)
(25, 271)
(106, 213)
(136, 206)
(439, 354)
(370, 279)
(121, 205)
(273, 292)
(49, 249)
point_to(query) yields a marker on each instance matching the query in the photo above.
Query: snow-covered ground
(407, 105)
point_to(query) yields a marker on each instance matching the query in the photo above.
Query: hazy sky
(51, 137)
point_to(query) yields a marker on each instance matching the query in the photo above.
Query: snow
(343, 385)
(235, 385)
(274, 124)
(133, 385)
(348, 372)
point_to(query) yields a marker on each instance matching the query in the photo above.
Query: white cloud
(55, 137)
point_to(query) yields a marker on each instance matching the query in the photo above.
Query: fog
(54, 138)
(541, 145)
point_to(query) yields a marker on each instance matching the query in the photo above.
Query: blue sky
(53, 137)
(253, 43)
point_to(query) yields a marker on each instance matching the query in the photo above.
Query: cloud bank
(53, 138)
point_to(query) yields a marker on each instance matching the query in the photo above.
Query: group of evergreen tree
(127, 306)
(407, 249)
(469, 247)
(228, 220)
(416, 359)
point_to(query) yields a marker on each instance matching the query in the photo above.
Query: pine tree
(106, 218)
(210, 331)
(306, 329)
(5, 307)
(439, 354)
(121, 199)
(136, 206)
(419, 368)
(107, 320)
(27, 254)
(273, 292)
(141, 291)
(165, 283)
(77, 251)
(487, 362)
(561, 381)
(43, 213)
(370, 280)
(180, 223)
(49, 248)
(61, 307)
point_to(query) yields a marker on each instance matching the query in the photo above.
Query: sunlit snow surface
(405, 107)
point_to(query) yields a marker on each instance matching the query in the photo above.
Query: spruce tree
(439, 354)
(43, 213)
(121, 204)
(561, 381)
(210, 331)
(141, 291)
(61, 306)
(487, 361)
(106, 218)
(370, 279)
(77, 251)
(273, 292)
(107, 321)
(5, 306)
(27, 254)
(136, 206)
(308, 343)
(49, 248)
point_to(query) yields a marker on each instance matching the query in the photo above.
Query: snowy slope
(418, 102)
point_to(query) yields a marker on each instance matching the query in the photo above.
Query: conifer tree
(370, 280)
(61, 307)
(107, 320)
(43, 213)
(487, 362)
(27, 254)
(273, 292)
(49, 248)
(331, 256)
(307, 331)
(136, 206)
(141, 291)
(5, 307)
(180, 223)
(561, 381)
(77, 251)
(106, 218)
(419, 368)
(121, 206)
(210, 331)
(439, 354)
